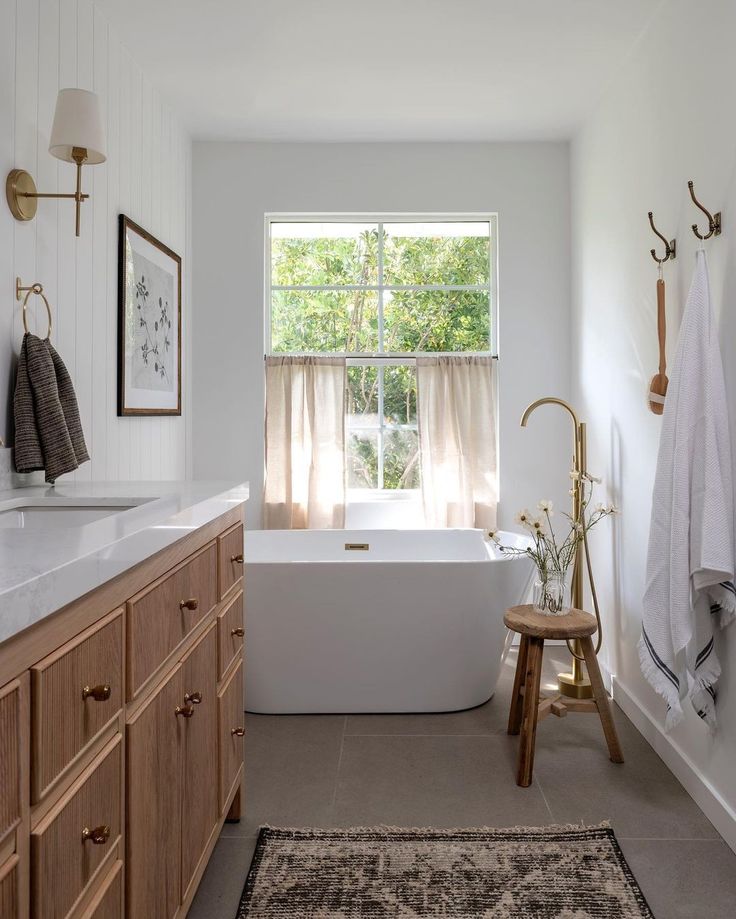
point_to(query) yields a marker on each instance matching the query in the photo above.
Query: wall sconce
(77, 137)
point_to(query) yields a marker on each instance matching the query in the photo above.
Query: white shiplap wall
(45, 45)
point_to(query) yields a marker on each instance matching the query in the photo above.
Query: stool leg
(601, 701)
(533, 675)
(517, 697)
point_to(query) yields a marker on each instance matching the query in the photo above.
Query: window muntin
(380, 292)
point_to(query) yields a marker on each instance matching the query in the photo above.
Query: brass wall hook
(670, 246)
(714, 220)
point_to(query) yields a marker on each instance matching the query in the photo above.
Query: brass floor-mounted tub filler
(576, 684)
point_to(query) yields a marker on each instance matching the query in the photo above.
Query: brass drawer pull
(98, 835)
(186, 711)
(239, 632)
(100, 693)
(237, 558)
(238, 732)
(194, 697)
(192, 603)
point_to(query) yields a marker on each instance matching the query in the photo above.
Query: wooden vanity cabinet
(153, 803)
(199, 767)
(230, 555)
(79, 837)
(10, 887)
(108, 902)
(231, 723)
(14, 799)
(118, 765)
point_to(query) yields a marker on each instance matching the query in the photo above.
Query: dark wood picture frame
(126, 226)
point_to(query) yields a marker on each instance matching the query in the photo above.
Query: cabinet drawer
(77, 692)
(230, 632)
(230, 551)
(65, 852)
(9, 888)
(107, 903)
(11, 751)
(231, 718)
(161, 616)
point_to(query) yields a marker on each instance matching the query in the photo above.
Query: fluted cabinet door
(9, 888)
(155, 738)
(199, 800)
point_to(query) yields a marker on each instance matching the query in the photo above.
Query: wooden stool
(527, 705)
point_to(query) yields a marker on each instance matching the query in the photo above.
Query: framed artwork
(149, 324)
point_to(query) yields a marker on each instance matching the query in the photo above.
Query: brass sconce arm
(22, 195)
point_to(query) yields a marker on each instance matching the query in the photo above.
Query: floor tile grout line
(499, 733)
(544, 798)
(339, 759)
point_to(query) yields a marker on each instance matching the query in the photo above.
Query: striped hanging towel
(48, 430)
(690, 563)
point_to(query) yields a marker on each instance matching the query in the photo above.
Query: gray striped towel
(48, 430)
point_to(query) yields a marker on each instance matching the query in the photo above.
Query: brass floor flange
(572, 688)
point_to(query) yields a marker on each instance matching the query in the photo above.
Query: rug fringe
(441, 831)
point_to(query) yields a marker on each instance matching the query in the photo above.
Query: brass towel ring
(37, 289)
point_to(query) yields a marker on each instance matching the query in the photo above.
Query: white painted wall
(235, 184)
(664, 121)
(45, 45)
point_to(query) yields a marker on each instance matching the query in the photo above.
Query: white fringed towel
(690, 563)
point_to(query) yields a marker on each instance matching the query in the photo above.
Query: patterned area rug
(385, 873)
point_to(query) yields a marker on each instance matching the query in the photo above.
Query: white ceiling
(341, 70)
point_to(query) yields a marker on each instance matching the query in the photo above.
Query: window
(381, 292)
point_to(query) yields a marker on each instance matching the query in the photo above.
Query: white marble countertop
(43, 569)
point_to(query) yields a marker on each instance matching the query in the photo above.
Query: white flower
(537, 525)
(601, 508)
(578, 527)
(612, 509)
(524, 518)
(546, 507)
(494, 537)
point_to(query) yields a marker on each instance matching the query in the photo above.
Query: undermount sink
(46, 513)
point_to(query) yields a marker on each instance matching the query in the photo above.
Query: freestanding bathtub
(376, 620)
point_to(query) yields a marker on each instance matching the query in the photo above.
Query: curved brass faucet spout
(578, 447)
(550, 400)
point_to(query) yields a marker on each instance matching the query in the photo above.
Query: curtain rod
(382, 356)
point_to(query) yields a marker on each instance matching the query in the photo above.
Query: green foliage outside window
(378, 316)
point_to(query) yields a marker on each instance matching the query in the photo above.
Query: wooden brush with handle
(658, 386)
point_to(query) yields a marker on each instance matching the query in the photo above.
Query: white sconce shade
(78, 123)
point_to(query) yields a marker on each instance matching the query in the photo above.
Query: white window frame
(381, 358)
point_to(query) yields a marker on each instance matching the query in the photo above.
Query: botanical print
(150, 299)
(149, 324)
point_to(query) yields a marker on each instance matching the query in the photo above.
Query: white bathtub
(414, 623)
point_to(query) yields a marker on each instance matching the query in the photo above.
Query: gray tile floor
(458, 770)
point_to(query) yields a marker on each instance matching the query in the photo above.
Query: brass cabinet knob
(240, 631)
(100, 693)
(186, 711)
(98, 835)
(237, 558)
(238, 732)
(191, 603)
(194, 697)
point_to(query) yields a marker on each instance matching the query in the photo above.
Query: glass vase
(550, 595)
